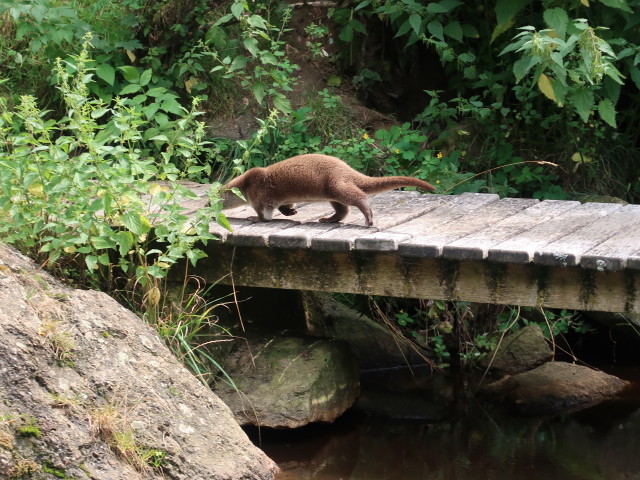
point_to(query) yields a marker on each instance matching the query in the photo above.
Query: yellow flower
(437, 182)
(396, 151)
(365, 136)
(439, 155)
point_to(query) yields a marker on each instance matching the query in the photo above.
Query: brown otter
(311, 178)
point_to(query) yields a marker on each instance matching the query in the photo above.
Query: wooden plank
(391, 207)
(340, 239)
(431, 242)
(399, 235)
(476, 245)
(522, 247)
(300, 236)
(393, 275)
(612, 253)
(256, 234)
(633, 262)
(568, 250)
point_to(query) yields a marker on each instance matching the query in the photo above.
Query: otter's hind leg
(341, 211)
(288, 209)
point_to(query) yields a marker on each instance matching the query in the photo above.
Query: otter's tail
(374, 185)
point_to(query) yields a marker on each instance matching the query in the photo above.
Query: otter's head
(231, 198)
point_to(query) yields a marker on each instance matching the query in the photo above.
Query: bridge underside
(389, 274)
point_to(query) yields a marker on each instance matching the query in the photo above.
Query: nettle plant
(569, 63)
(84, 186)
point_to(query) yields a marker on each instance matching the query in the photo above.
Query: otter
(310, 178)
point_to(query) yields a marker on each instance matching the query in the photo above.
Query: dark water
(460, 438)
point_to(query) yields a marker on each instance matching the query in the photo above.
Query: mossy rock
(288, 382)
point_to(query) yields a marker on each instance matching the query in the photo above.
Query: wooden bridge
(470, 247)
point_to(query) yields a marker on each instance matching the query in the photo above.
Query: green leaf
(238, 63)
(151, 110)
(145, 78)
(346, 35)
(415, 21)
(404, 28)
(454, 30)
(251, 44)
(582, 100)
(130, 73)
(435, 29)
(619, 4)
(237, 8)
(125, 242)
(506, 10)
(91, 261)
(282, 103)
(358, 26)
(257, 21)
(557, 19)
(607, 111)
(101, 243)
(259, 91)
(136, 223)
(106, 72)
(216, 36)
(470, 31)
(634, 73)
(172, 106)
(522, 66)
(129, 89)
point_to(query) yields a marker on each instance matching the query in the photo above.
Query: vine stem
(539, 162)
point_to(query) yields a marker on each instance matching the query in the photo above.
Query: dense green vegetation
(517, 97)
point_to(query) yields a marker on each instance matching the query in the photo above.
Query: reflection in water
(478, 442)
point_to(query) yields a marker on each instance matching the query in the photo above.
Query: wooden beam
(390, 274)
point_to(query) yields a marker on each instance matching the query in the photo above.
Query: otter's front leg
(265, 214)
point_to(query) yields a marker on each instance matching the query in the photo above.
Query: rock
(288, 382)
(373, 345)
(520, 351)
(87, 390)
(553, 387)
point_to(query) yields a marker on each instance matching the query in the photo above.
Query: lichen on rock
(107, 406)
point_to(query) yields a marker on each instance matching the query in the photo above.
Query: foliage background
(534, 98)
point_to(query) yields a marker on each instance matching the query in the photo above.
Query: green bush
(83, 185)
(528, 81)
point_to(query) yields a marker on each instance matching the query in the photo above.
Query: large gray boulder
(520, 351)
(289, 382)
(554, 386)
(87, 390)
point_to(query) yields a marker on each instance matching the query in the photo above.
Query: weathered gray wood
(388, 209)
(476, 246)
(399, 235)
(471, 247)
(257, 234)
(442, 233)
(568, 250)
(612, 253)
(384, 273)
(300, 236)
(522, 247)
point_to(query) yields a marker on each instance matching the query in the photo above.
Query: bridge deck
(471, 247)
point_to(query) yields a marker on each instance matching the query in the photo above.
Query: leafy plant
(569, 63)
(257, 60)
(74, 186)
